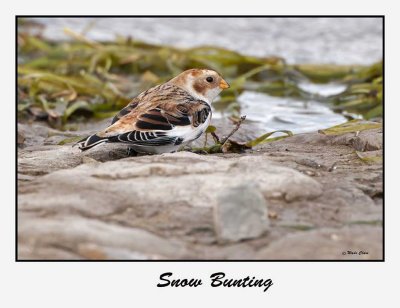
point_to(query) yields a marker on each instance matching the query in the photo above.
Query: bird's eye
(210, 79)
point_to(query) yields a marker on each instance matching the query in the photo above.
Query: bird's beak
(223, 84)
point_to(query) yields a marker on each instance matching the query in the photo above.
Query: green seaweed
(84, 78)
(349, 127)
(263, 138)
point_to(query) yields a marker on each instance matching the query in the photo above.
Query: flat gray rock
(81, 238)
(101, 204)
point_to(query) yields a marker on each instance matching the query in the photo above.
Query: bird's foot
(131, 152)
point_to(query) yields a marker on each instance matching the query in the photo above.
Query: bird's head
(204, 84)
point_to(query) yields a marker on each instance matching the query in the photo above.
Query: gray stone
(369, 140)
(77, 238)
(33, 134)
(177, 178)
(45, 159)
(240, 213)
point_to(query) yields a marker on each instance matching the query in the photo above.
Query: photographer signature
(354, 252)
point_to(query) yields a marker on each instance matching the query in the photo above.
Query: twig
(215, 137)
(224, 140)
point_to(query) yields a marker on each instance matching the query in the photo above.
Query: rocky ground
(309, 196)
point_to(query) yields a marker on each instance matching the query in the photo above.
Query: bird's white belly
(196, 132)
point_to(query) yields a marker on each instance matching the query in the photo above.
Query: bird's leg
(185, 148)
(131, 152)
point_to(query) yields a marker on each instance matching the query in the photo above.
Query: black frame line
(197, 16)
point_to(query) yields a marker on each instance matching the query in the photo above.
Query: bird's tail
(90, 141)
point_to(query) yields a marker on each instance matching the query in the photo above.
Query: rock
(34, 134)
(348, 243)
(20, 138)
(369, 140)
(181, 177)
(240, 213)
(39, 133)
(88, 238)
(101, 204)
(41, 160)
(169, 194)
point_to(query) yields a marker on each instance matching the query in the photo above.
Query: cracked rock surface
(309, 196)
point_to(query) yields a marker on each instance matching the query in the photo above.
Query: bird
(166, 117)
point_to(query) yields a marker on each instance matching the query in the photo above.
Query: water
(298, 40)
(275, 113)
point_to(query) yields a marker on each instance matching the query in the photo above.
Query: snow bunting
(165, 117)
